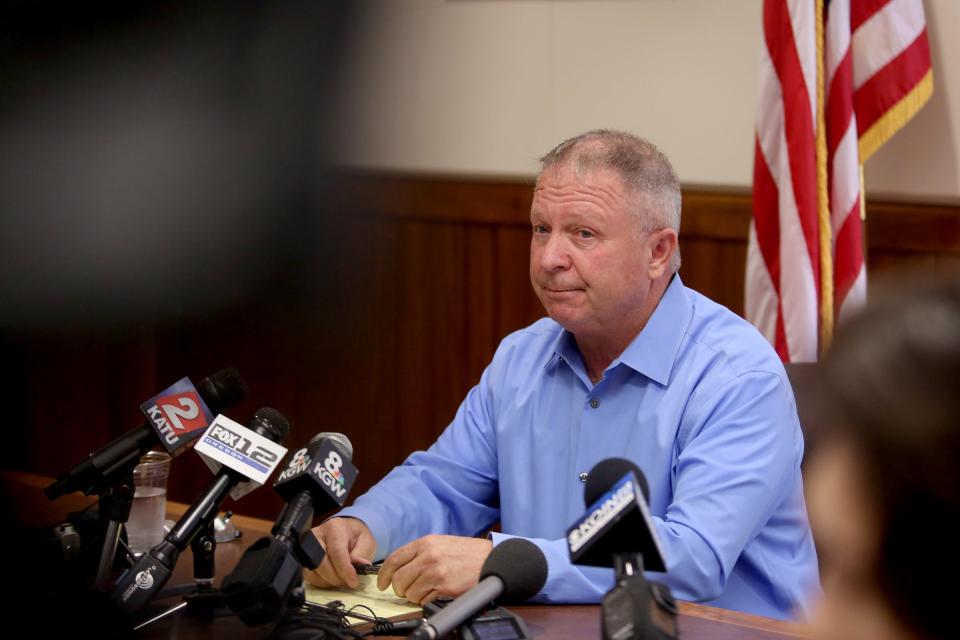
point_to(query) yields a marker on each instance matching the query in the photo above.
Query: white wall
(485, 87)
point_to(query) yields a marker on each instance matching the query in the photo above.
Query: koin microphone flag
(98, 471)
(516, 569)
(617, 519)
(317, 478)
(254, 463)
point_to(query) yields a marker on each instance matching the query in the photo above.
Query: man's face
(589, 263)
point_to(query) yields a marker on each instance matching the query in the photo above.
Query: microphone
(180, 409)
(605, 473)
(248, 454)
(317, 479)
(515, 569)
(617, 521)
(617, 532)
(319, 475)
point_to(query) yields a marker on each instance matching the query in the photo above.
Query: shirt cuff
(497, 537)
(566, 583)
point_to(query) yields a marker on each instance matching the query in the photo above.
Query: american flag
(838, 78)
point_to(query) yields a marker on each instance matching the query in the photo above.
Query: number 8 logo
(333, 463)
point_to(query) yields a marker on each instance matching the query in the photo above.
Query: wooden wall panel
(410, 288)
(481, 287)
(711, 265)
(948, 262)
(518, 305)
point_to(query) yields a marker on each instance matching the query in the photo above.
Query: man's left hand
(434, 566)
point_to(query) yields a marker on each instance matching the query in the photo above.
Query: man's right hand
(347, 541)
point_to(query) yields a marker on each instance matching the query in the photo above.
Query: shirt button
(583, 477)
(594, 403)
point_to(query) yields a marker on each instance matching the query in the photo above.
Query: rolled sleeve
(738, 458)
(566, 583)
(450, 488)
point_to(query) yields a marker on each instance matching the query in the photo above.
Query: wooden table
(697, 622)
(565, 622)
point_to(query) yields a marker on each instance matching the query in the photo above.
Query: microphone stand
(635, 608)
(202, 600)
(627, 565)
(205, 599)
(115, 505)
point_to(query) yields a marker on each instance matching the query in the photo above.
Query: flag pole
(823, 199)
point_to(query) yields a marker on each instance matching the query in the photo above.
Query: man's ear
(663, 244)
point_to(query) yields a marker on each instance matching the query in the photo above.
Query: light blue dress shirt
(699, 401)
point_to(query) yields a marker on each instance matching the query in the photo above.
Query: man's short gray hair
(643, 168)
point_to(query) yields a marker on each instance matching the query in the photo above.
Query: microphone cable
(312, 622)
(315, 621)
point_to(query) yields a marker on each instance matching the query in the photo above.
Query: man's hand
(347, 541)
(434, 566)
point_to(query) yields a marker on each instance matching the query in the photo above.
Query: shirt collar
(654, 350)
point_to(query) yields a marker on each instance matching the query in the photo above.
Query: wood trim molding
(436, 199)
(719, 214)
(924, 228)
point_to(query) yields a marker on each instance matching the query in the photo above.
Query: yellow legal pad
(385, 604)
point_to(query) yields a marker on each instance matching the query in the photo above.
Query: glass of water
(145, 526)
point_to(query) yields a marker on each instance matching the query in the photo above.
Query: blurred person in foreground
(629, 363)
(883, 483)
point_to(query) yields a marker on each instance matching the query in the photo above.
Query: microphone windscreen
(339, 442)
(605, 473)
(270, 423)
(224, 389)
(520, 565)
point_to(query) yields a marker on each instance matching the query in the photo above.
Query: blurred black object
(164, 204)
(48, 577)
(161, 159)
(164, 164)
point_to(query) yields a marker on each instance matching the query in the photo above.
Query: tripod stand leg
(161, 616)
(111, 539)
(115, 505)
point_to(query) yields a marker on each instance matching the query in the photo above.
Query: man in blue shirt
(630, 363)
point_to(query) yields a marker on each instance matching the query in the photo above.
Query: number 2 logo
(187, 411)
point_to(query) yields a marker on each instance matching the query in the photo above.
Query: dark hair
(891, 385)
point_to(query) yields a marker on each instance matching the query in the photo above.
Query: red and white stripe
(843, 161)
(783, 257)
(875, 54)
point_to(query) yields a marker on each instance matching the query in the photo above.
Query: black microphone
(617, 532)
(319, 476)
(100, 469)
(139, 584)
(605, 473)
(617, 520)
(516, 569)
(317, 479)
